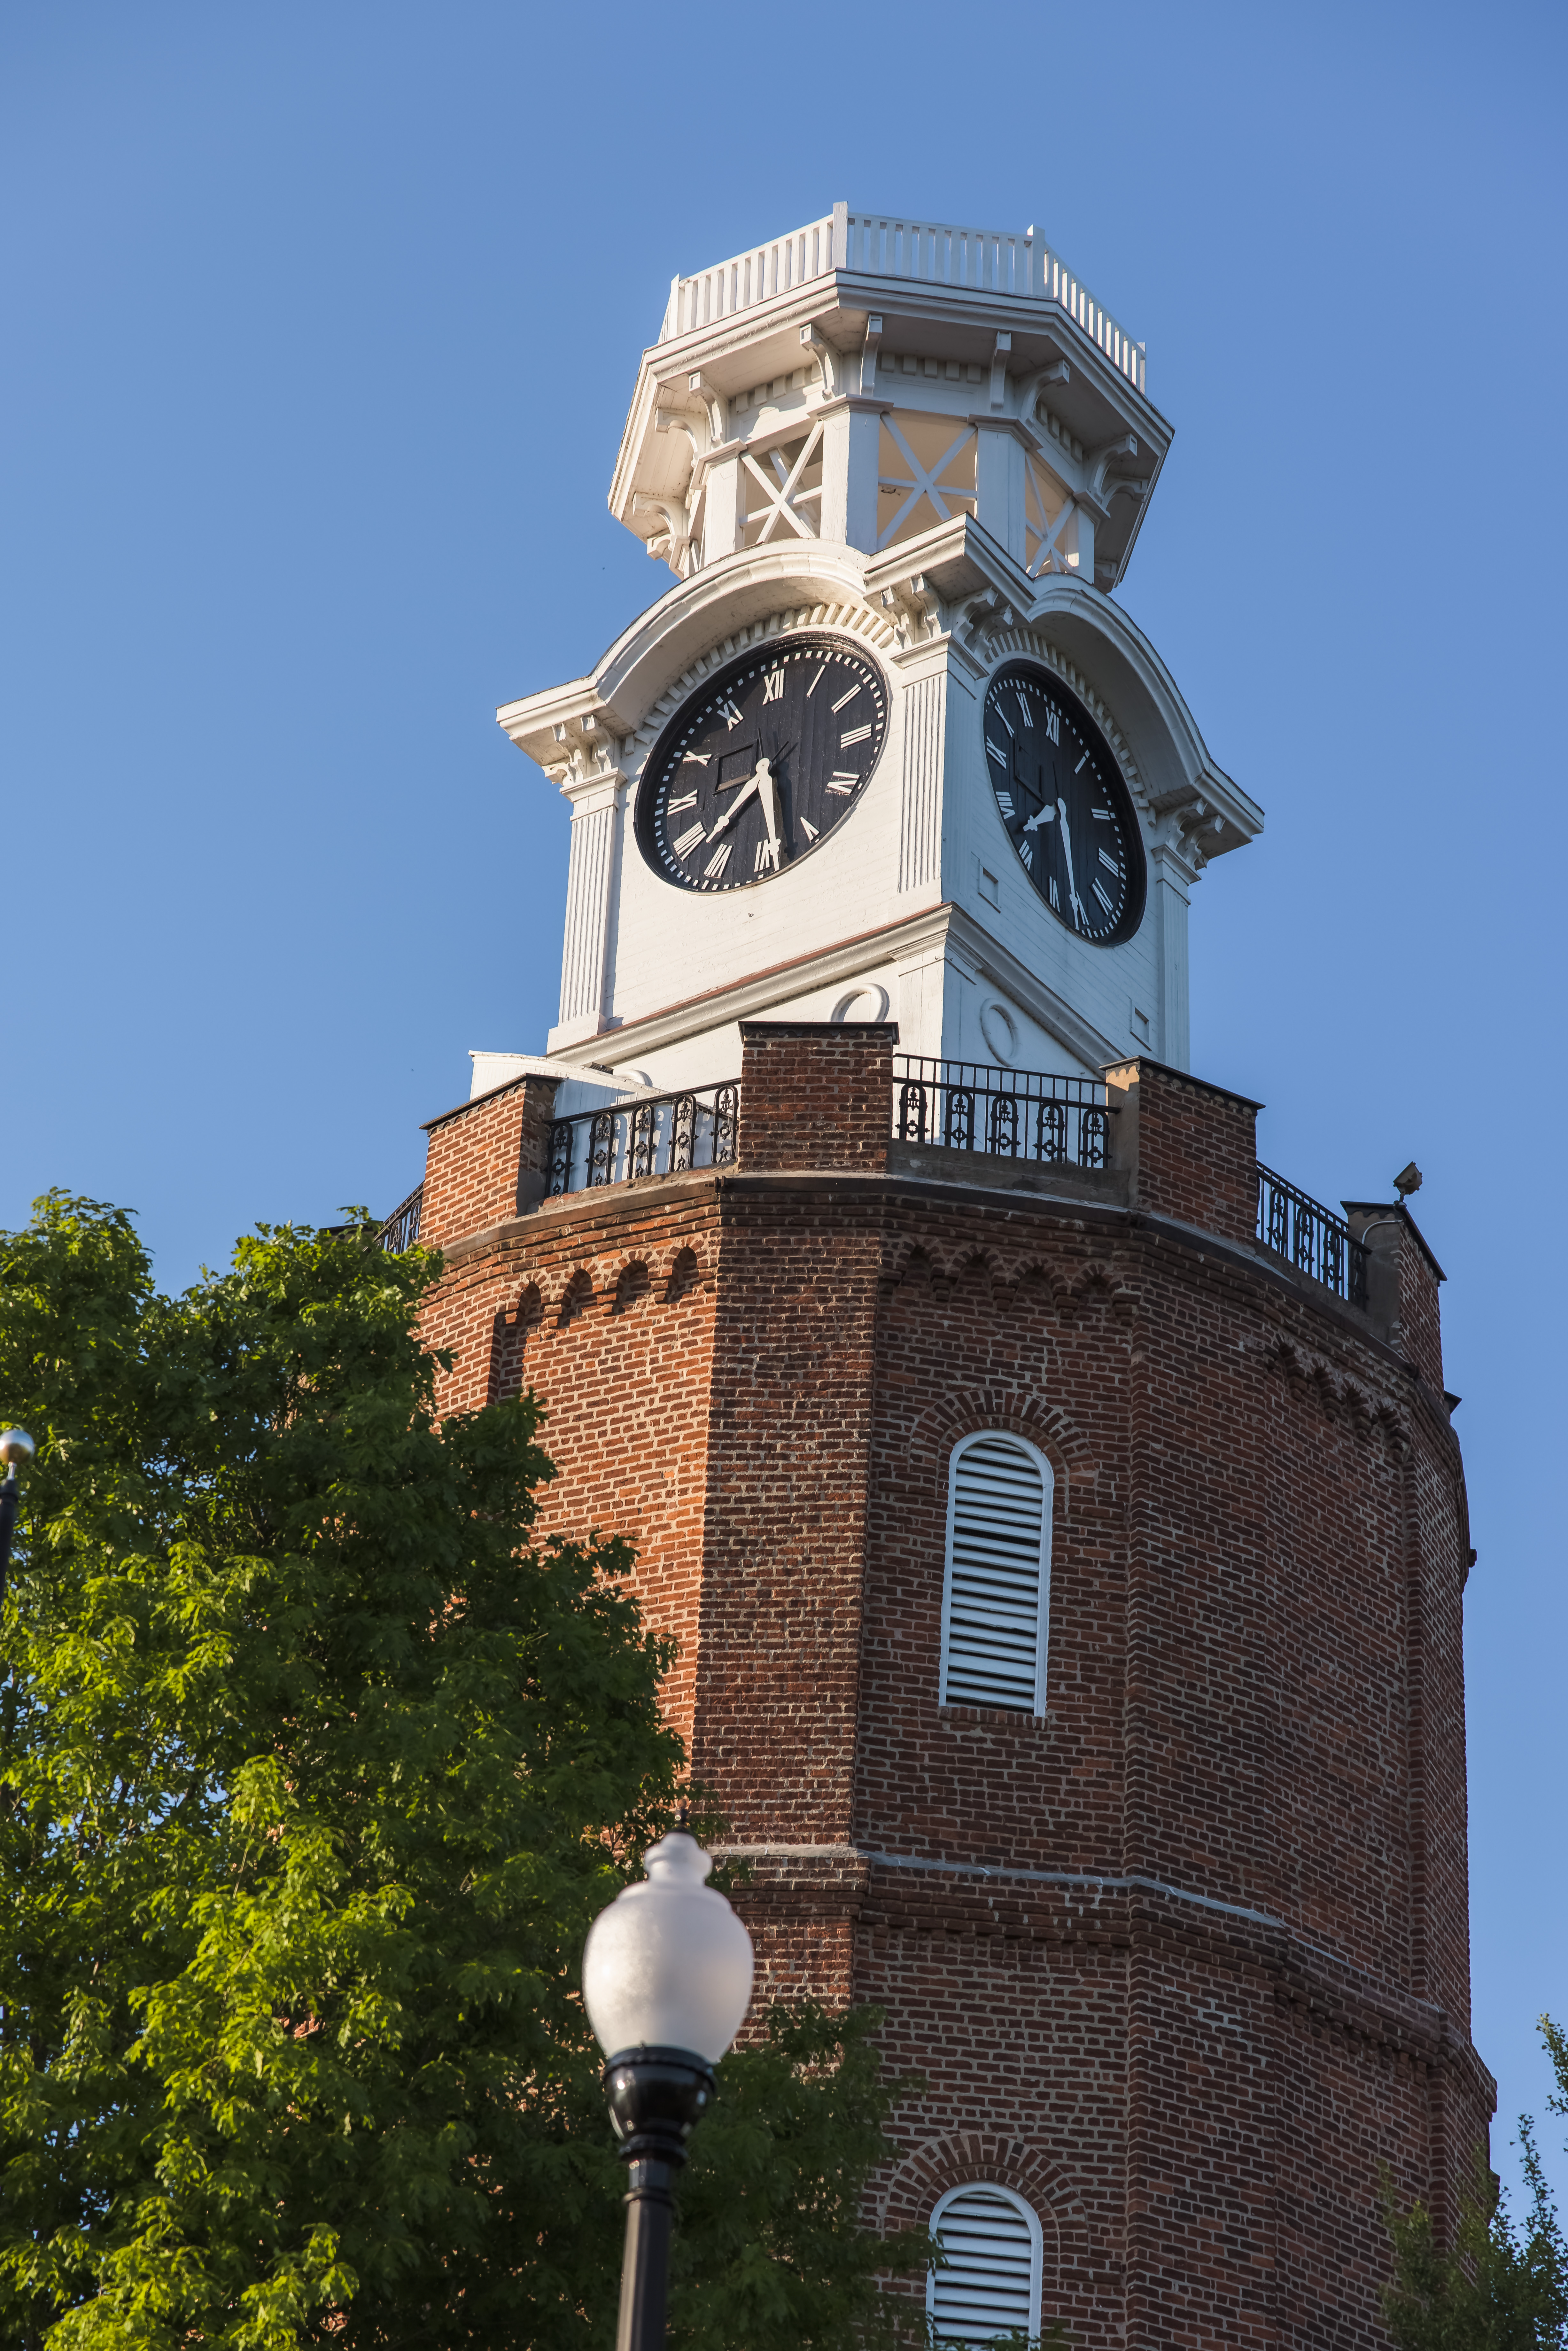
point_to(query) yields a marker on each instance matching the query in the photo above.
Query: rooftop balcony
(984, 261)
(864, 377)
(837, 1102)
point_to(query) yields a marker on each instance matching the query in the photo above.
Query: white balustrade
(768, 269)
(879, 245)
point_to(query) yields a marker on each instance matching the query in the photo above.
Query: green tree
(314, 1769)
(1496, 2287)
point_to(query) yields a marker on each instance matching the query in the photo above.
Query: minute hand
(1073, 900)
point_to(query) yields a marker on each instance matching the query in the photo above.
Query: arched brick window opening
(684, 1277)
(509, 1344)
(577, 1300)
(989, 2282)
(996, 1591)
(632, 1288)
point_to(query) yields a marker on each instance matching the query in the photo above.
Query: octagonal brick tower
(1058, 1513)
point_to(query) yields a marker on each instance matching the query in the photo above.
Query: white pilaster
(723, 506)
(999, 482)
(924, 753)
(1170, 878)
(597, 808)
(852, 430)
(1075, 543)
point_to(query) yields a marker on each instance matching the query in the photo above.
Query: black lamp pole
(15, 1448)
(654, 2096)
(666, 1981)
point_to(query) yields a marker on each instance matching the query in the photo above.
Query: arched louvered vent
(996, 1601)
(990, 2284)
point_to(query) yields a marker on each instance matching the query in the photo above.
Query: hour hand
(1042, 816)
(736, 804)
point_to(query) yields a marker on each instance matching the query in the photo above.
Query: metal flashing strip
(1066, 1877)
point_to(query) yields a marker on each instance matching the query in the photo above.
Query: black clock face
(762, 763)
(1067, 813)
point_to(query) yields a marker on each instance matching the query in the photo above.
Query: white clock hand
(733, 810)
(767, 793)
(1073, 900)
(1045, 816)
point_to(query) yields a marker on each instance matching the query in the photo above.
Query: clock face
(1061, 798)
(762, 763)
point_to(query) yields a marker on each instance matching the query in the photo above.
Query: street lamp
(666, 1980)
(16, 1449)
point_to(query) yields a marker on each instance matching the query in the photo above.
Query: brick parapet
(1403, 1281)
(1187, 1149)
(816, 1093)
(485, 1160)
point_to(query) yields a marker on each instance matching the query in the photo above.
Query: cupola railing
(648, 1135)
(989, 261)
(1007, 1114)
(1310, 1237)
(401, 1229)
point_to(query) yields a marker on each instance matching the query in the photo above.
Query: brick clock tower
(1058, 1513)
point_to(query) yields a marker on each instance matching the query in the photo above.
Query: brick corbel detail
(816, 1093)
(485, 1161)
(1189, 1150)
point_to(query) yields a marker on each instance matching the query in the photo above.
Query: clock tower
(920, 456)
(1057, 1511)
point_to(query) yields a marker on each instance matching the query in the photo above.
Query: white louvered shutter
(990, 2285)
(996, 1602)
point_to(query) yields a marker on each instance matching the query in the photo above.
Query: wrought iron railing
(651, 1134)
(1313, 1239)
(1011, 1113)
(401, 1229)
(884, 245)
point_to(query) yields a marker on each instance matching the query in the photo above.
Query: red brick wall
(1420, 1315)
(1192, 1148)
(485, 1161)
(816, 1093)
(604, 1304)
(1185, 1959)
(1403, 1281)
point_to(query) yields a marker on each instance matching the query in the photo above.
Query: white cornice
(938, 929)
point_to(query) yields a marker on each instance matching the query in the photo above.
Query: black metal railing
(1313, 1239)
(652, 1134)
(401, 1229)
(1012, 1114)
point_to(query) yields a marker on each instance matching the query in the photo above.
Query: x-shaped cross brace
(1045, 554)
(782, 493)
(924, 483)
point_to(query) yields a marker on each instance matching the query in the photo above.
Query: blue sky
(321, 322)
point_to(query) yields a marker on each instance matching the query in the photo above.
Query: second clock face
(1060, 792)
(762, 763)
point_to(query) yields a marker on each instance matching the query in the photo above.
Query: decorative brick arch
(511, 1330)
(578, 1298)
(633, 1286)
(684, 1278)
(1020, 1411)
(972, 2158)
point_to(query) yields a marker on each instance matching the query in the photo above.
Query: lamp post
(16, 1449)
(666, 1980)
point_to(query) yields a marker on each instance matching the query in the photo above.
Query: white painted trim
(1031, 2218)
(1042, 1621)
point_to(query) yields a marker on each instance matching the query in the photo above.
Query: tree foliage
(314, 1769)
(1496, 2287)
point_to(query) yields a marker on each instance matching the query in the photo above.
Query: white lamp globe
(668, 1965)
